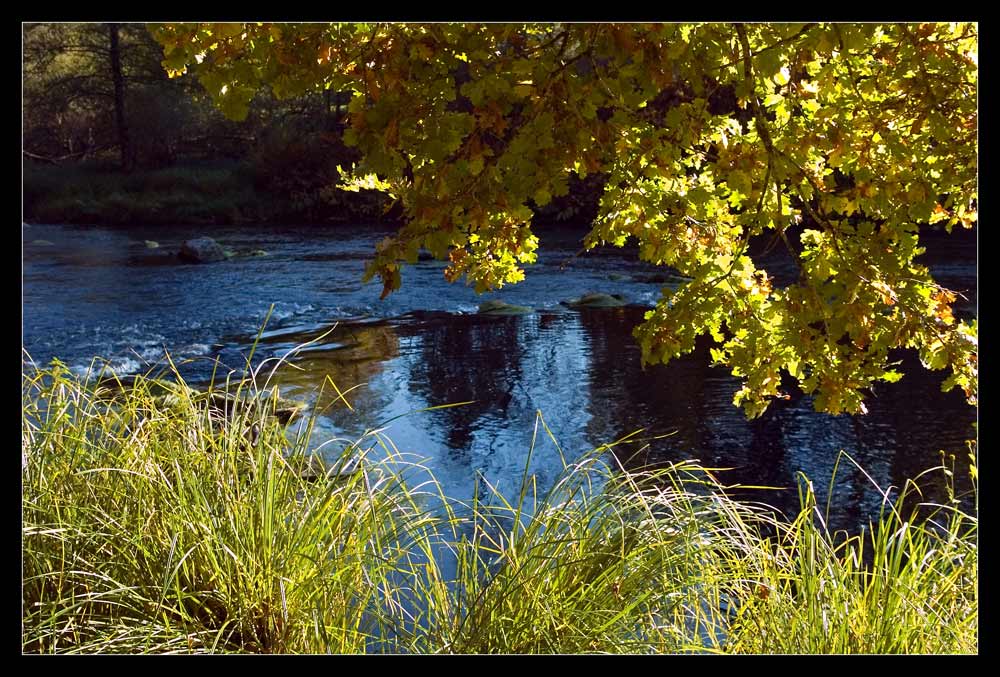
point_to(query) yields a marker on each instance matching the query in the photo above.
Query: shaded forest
(109, 139)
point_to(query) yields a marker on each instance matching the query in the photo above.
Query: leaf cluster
(840, 142)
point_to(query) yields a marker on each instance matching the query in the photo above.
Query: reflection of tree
(898, 422)
(685, 399)
(695, 400)
(624, 397)
(465, 358)
(351, 355)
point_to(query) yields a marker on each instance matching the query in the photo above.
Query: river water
(103, 292)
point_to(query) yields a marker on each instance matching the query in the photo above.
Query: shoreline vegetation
(229, 192)
(153, 525)
(207, 193)
(271, 186)
(160, 519)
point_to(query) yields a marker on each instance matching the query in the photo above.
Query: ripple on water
(424, 346)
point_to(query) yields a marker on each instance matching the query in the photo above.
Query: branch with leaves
(854, 138)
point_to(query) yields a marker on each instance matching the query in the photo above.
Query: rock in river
(594, 300)
(494, 307)
(222, 406)
(227, 405)
(661, 278)
(202, 250)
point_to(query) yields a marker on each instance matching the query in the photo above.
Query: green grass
(150, 526)
(146, 529)
(206, 193)
(215, 193)
(910, 585)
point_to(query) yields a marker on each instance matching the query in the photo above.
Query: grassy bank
(222, 193)
(151, 523)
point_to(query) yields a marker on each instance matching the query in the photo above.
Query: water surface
(103, 292)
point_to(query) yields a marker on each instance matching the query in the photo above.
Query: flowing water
(102, 292)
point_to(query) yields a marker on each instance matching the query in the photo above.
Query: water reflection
(101, 292)
(337, 366)
(507, 369)
(582, 371)
(693, 401)
(442, 374)
(624, 397)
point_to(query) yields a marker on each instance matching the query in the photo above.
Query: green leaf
(773, 100)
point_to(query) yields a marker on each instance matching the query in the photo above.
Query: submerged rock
(595, 300)
(222, 406)
(661, 278)
(111, 387)
(494, 307)
(228, 405)
(313, 467)
(425, 256)
(202, 250)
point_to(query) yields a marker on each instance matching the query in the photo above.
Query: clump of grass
(663, 561)
(604, 561)
(150, 525)
(908, 585)
(146, 528)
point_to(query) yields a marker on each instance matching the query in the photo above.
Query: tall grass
(150, 525)
(147, 529)
(908, 585)
(604, 561)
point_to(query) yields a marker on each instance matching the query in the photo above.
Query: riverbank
(150, 527)
(255, 191)
(216, 193)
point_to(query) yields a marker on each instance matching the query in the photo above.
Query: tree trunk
(124, 145)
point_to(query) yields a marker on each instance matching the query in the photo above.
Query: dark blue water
(102, 292)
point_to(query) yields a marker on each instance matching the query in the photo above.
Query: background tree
(839, 141)
(98, 104)
(76, 80)
(94, 89)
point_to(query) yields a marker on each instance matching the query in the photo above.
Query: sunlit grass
(153, 524)
(146, 528)
(908, 585)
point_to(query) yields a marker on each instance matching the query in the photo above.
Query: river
(103, 292)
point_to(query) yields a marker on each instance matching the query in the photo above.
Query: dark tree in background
(98, 92)
(114, 56)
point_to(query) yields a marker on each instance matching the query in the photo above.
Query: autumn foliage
(842, 142)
